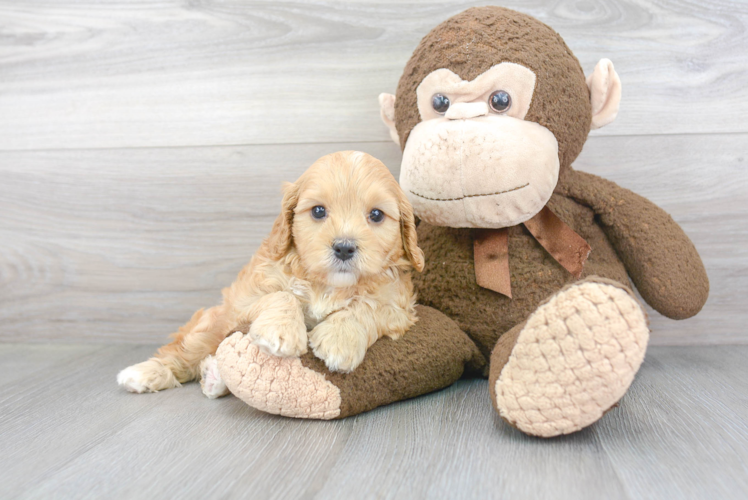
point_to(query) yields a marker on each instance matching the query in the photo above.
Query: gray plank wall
(142, 144)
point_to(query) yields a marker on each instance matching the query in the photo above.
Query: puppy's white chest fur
(318, 301)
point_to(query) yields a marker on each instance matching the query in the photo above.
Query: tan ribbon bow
(491, 250)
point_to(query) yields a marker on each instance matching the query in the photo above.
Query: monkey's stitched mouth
(469, 195)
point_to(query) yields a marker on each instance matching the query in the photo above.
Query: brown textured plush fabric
(475, 40)
(659, 257)
(448, 281)
(500, 356)
(431, 356)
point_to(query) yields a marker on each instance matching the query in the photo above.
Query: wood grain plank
(187, 446)
(124, 245)
(452, 444)
(680, 432)
(62, 410)
(21, 362)
(183, 445)
(86, 74)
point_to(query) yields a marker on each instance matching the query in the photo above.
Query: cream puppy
(334, 274)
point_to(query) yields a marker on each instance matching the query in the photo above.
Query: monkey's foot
(282, 386)
(571, 361)
(431, 356)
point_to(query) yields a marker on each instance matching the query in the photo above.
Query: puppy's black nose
(344, 249)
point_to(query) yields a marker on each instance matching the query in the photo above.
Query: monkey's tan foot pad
(432, 355)
(573, 359)
(282, 386)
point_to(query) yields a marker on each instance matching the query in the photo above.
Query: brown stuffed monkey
(527, 260)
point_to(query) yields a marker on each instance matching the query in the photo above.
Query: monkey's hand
(661, 260)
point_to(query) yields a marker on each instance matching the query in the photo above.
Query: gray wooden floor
(67, 431)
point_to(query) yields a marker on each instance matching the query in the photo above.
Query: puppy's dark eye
(440, 103)
(500, 101)
(376, 215)
(319, 212)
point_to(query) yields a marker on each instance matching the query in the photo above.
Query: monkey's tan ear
(409, 234)
(387, 112)
(605, 93)
(281, 239)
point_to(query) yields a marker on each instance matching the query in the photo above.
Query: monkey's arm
(661, 260)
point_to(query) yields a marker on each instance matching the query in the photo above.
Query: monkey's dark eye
(500, 101)
(319, 212)
(440, 103)
(376, 215)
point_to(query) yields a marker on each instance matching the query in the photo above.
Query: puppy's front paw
(148, 376)
(210, 380)
(342, 346)
(279, 334)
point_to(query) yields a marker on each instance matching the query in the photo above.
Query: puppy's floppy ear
(281, 238)
(409, 234)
